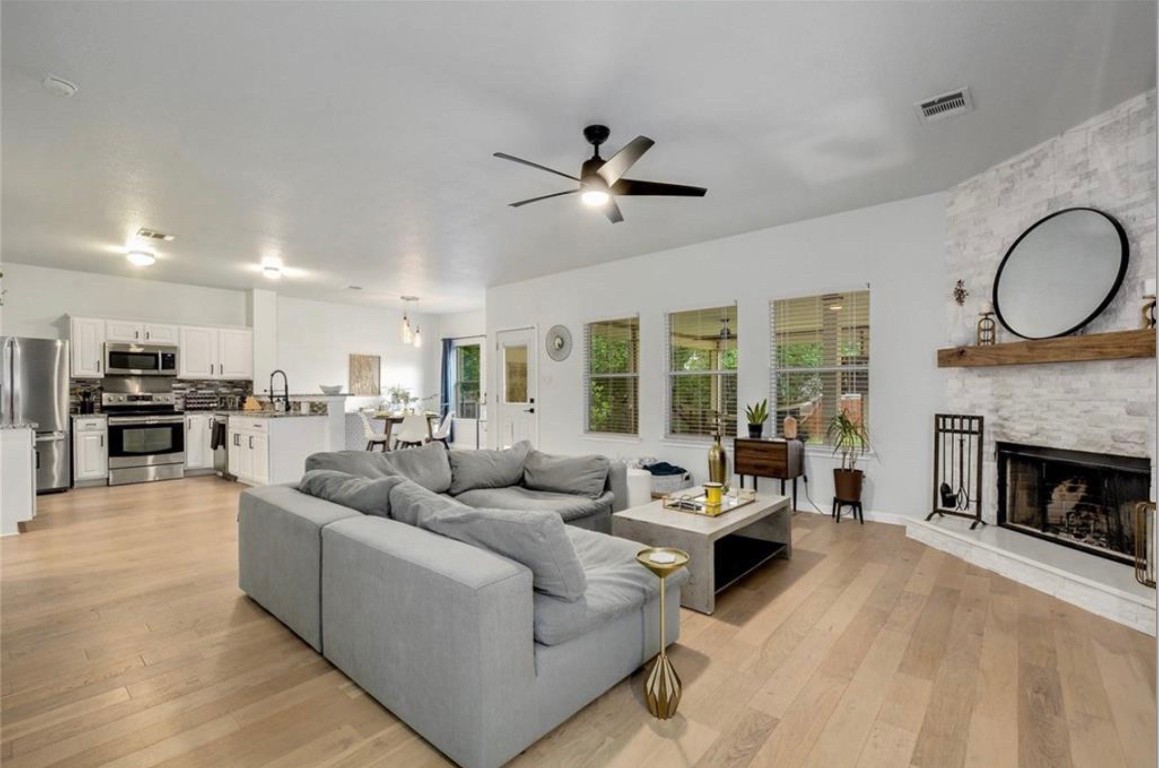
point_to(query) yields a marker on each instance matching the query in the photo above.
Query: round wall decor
(558, 343)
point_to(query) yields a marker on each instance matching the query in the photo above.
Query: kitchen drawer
(89, 425)
(760, 466)
(249, 425)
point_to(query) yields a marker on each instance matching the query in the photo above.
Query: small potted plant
(758, 414)
(850, 440)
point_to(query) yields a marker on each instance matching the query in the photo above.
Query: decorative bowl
(330, 389)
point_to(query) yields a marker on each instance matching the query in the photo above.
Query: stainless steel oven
(140, 359)
(146, 438)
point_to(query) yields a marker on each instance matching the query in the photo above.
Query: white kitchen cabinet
(215, 353)
(138, 332)
(235, 353)
(18, 468)
(86, 336)
(198, 430)
(265, 450)
(90, 451)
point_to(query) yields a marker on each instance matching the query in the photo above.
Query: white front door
(515, 417)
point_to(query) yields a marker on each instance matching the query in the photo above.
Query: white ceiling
(354, 139)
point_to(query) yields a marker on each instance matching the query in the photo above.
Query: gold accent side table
(662, 688)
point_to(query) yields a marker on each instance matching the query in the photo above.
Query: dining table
(390, 418)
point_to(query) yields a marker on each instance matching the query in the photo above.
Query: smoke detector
(944, 106)
(58, 86)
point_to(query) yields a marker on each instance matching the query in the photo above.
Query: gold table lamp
(662, 688)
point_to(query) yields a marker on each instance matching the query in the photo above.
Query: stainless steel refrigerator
(34, 389)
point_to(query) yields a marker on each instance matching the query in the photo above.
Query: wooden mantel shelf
(1117, 345)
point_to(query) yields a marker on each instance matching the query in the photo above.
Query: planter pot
(756, 430)
(847, 484)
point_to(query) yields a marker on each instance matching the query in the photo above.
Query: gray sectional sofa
(483, 627)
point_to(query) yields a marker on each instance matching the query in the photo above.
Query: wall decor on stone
(365, 372)
(1108, 406)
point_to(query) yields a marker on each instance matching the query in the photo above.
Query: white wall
(315, 340)
(896, 247)
(38, 299)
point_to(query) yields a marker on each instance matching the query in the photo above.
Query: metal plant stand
(958, 467)
(662, 688)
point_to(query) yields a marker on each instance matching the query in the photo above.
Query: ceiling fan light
(141, 258)
(594, 197)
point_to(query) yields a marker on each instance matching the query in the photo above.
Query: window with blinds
(820, 360)
(702, 365)
(612, 383)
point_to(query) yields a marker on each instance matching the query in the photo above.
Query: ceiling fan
(602, 181)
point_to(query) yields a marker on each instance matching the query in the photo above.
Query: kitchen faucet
(285, 390)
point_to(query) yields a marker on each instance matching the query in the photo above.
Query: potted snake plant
(850, 440)
(757, 414)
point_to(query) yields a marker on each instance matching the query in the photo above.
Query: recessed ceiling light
(354, 287)
(141, 258)
(272, 267)
(152, 234)
(58, 86)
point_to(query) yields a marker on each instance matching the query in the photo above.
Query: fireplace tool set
(958, 467)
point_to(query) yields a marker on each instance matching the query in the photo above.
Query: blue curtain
(446, 388)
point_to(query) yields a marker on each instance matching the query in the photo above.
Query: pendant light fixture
(406, 333)
(409, 334)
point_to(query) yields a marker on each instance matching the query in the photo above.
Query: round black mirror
(1060, 273)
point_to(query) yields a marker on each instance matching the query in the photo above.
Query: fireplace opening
(1074, 498)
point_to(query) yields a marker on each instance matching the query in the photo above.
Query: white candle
(662, 557)
(1149, 287)
(987, 307)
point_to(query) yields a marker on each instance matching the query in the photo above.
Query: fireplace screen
(1079, 499)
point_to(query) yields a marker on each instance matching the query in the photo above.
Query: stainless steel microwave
(140, 359)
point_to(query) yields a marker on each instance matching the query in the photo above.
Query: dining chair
(372, 437)
(443, 433)
(413, 431)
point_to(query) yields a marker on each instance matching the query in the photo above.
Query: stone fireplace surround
(1108, 407)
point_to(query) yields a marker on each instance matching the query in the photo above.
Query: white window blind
(702, 365)
(820, 360)
(611, 378)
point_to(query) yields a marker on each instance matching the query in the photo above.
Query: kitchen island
(267, 447)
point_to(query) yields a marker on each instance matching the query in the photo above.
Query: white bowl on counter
(330, 389)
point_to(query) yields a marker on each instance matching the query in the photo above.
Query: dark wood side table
(769, 457)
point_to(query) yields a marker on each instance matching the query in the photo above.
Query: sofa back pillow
(535, 539)
(487, 468)
(427, 466)
(370, 496)
(410, 502)
(579, 475)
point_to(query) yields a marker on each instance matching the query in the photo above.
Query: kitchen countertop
(98, 415)
(20, 425)
(270, 415)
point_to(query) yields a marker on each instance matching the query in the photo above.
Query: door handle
(146, 335)
(529, 410)
(102, 441)
(136, 334)
(98, 366)
(251, 442)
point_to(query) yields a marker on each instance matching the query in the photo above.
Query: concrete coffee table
(723, 549)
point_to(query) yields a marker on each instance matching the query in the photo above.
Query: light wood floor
(125, 642)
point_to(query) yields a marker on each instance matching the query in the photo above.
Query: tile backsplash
(192, 395)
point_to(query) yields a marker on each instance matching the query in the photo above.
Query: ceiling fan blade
(542, 197)
(637, 187)
(521, 161)
(612, 211)
(618, 164)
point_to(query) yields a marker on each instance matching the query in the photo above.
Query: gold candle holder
(662, 689)
(987, 330)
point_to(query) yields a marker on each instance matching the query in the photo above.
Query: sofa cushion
(368, 495)
(427, 466)
(410, 502)
(579, 475)
(616, 584)
(536, 539)
(486, 468)
(567, 506)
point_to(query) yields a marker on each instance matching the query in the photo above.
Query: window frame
(670, 375)
(588, 377)
(859, 368)
(457, 382)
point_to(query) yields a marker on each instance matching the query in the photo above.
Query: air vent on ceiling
(947, 105)
(151, 234)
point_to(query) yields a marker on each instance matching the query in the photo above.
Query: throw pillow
(579, 475)
(370, 496)
(535, 539)
(486, 468)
